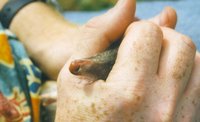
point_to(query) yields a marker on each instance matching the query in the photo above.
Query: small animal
(96, 67)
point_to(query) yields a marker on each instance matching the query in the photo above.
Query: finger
(176, 62)
(101, 31)
(139, 52)
(167, 18)
(188, 109)
(101, 66)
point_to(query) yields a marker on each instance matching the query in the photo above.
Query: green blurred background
(86, 5)
(80, 11)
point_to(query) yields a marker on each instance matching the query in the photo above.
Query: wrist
(11, 9)
(39, 27)
(2, 3)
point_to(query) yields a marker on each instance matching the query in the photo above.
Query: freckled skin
(141, 87)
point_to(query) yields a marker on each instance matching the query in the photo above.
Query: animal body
(96, 67)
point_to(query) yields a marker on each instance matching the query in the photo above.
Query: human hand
(166, 18)
(58, 43)
(128, 93)
(52, 40)
(152, 75)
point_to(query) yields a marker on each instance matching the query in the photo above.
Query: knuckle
(177, 37)
(143, 25)
(188, 41)
(143, 36)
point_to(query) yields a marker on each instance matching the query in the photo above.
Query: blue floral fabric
(20, 82)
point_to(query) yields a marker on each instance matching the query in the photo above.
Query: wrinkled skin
(155, 78)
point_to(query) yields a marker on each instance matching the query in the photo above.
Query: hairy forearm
(37, 23)
(39, 27)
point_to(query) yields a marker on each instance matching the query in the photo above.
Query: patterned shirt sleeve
(20, 82)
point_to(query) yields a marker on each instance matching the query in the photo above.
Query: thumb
(101, 31)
